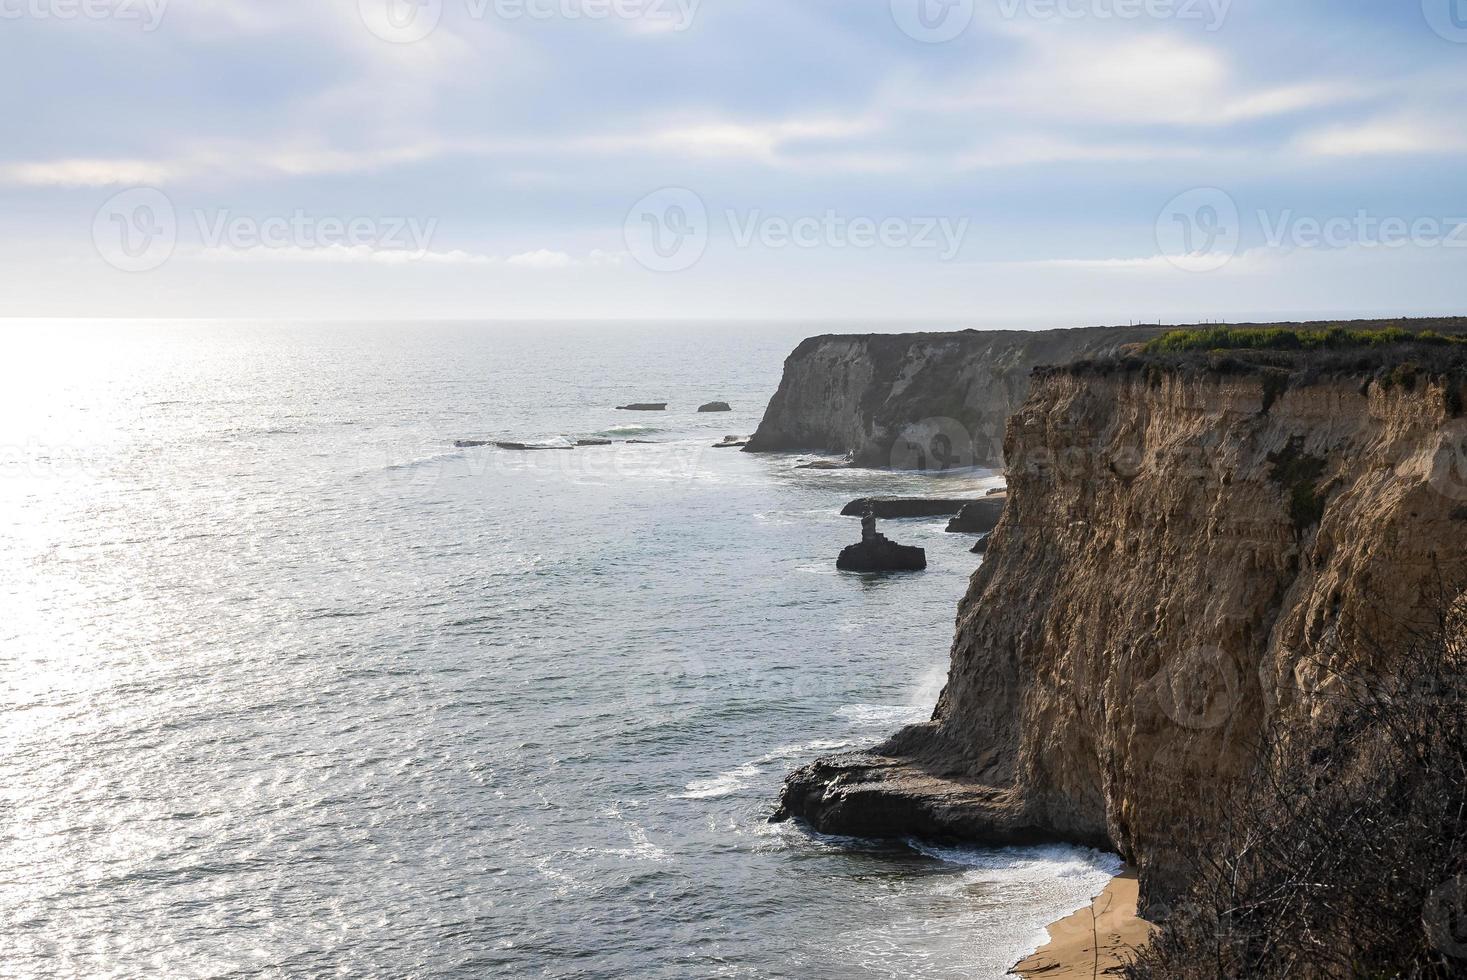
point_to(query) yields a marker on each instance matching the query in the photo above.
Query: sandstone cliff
(1179, 548)
(917, 401)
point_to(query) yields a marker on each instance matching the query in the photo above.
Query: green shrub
(1285, 339)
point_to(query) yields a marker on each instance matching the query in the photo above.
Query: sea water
(291, 686)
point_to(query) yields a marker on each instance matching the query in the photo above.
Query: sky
(968, 161)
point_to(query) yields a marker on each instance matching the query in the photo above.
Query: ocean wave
(628, 430)
(1027, 863)
(884, 714)
(408, 464)
(731, 781)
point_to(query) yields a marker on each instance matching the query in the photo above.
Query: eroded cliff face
(917, 401)
(1179, 555)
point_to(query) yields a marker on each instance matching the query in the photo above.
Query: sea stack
(878, 553)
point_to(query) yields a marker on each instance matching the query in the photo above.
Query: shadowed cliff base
(1180, 548)
(940, 401)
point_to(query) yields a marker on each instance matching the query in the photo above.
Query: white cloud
(85, 173)
(1388, 136)
(1157, 79)
(341, 253)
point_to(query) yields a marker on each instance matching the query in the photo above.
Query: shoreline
(1094, 941)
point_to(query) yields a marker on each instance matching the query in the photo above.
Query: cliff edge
(1184, 540)
(919, 400)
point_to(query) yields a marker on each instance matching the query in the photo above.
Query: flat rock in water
(981, 516)
(890, 507)
(643, 407)
(881, 554)
(593, 442)
(471, 443)
(715, 407)
(524, 447)
(825, 464)
(732, 442)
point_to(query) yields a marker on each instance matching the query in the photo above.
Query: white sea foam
(917, 709)
(428, 460)
(628, 430)
(733, 780)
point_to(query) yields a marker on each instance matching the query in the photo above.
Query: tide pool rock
(716, 407)
(887, 508)
(979, 517)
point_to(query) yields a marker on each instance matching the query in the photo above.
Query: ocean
(291, 686)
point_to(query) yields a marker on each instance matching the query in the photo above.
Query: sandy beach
(1095, 940)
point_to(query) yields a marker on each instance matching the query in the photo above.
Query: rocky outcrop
(1183, 556)
(979, 517)
(643, 407)
(715, 407)
(888, 508)
(876, 553)
(917, 401)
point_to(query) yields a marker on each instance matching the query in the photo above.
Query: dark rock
(715, 407)
(877, 553)
(524, 447)
(643, 407)
(981, 546)
(641, 442)
(471, 443)
(593, 442)
(979, 517)
(887, 508)
(732, 442)
(825, 464)
(881, 555)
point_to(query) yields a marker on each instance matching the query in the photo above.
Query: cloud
(340, 253)
(1388, 136)
(85, 173)
(1157, 79)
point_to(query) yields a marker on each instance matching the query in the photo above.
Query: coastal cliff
(917, 401)
(1185, 545)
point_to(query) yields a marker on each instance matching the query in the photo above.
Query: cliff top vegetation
(1335, 337)
(1296, 355)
